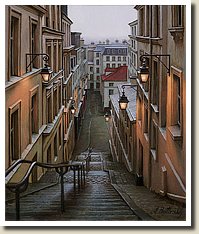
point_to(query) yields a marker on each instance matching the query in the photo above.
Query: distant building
(106, 55)
(133, 64)
(110, 81)
(79, 78)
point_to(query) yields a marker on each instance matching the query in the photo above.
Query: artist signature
(167, 210)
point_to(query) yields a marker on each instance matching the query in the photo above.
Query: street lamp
(46, 71)
(144, 70)
(123, 101)
(106, 117)
(72, 108)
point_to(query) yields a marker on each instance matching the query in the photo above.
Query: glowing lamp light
(46, 73)
(144, 72)
(72, 109)
(123, 102)
(106, 117)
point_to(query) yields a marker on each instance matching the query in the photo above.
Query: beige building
(161, 102)
(122, 129)
(37, 122)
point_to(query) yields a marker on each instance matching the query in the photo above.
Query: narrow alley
(108, 193)
(97, 200)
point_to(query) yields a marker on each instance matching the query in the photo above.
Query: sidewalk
(145, 203)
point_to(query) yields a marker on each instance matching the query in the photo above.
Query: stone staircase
(96, 201)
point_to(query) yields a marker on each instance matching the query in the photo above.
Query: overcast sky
(99, 22)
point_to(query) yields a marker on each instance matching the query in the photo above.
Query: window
(97, 55)
(34, 112)
(55, 101)
(91, 69)
(60, 135)
(177, 98)
(98, 78)
(156, 21)
(124, 59)
(14, 130)
(55, 147)
(49, 108)
(53, 16)
(55, 57)
(49, 52)
(154, 139)
(111, 92)
(59, 96)
(155, 83)
(14, 44)
(139, 113)
(142, 23)
(91, 77)
(145, 119)
(97, 70)
(97, 61)
(113, 65)
(111, 84)
(47, 16)
(108, 65)
(119, 58)
(119, 65)
(113, 58)
(107, 58)
(60, 56)
(177, 16)
(58, 17)
(33, 38)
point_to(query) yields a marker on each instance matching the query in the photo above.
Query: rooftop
(118, 74)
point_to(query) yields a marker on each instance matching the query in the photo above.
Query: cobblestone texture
(98, 200)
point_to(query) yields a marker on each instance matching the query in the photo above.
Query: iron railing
(60, 168)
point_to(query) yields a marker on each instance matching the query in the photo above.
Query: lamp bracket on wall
(45, 58)
(158, 56)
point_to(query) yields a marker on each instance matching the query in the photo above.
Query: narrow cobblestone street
(108, 193)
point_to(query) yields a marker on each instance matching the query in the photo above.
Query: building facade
(133, 49)
(79, 78)
(39, 124)
(110, 81)
(122, 129)
(161, 102)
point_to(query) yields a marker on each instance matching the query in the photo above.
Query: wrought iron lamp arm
(129, 85)
(45, 59)
(143, 58)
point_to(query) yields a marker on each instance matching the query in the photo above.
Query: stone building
(69, 126)
(122, 129)
(161, 102)
(133, 49)
(39, 125)
(110, 81)
(79, 78)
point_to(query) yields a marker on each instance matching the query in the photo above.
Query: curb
(142, 215)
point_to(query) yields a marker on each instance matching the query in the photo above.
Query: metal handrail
(21, 186)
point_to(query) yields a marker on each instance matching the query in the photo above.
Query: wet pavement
(109, 192)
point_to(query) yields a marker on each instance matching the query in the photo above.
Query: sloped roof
(120, 74)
